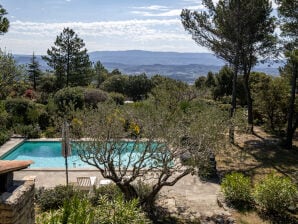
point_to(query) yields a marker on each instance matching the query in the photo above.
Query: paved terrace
(190, 192)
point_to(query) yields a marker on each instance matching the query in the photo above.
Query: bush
(69, 97)
(237, 189)
(118, 98)
(94, 96)
(275, 193)
(110, 191)
(18, 109)
(48, 199)
(80, 211)
(28, 131)
(4, 136)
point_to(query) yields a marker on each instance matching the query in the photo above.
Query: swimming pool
(47, 154)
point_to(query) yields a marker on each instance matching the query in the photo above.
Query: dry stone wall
(17, 207)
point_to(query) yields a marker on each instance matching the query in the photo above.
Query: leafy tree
(101, 73)
(34, 71)
(257, 28)
(154, 154)
(289, 26)
(70, 62)
(115, 72)
(271, 99)
(4, 22)
(115, 83)
(224, 83)
(48, 83)
(200, 82)
(219, 29)
(225, 28)
(210, 80)
(69, 98)
(138, 86)
(9, 73)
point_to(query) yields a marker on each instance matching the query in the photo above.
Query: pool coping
(10, 145)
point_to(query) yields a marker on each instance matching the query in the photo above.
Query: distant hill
(182, 66)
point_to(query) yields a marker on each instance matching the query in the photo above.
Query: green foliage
(237, 189)
(48, 199)
(94, 96)
(28, 131)
(34, 72)
(275, 193)
(116, 83)
(118, 98)
(4, 136)
(69, 60)
(4, 22)
(224, 82)
(9, 71)
(23, 111)
(200, 82)
(138, 86)
(69, 97)
(270, 100)
(80, 211)
(48, 83)
(110, 192)
(100, 73)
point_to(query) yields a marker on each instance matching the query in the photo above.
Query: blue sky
(103, 24)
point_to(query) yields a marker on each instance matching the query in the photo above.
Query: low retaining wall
(17, 207)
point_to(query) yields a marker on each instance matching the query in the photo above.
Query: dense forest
(195, 120)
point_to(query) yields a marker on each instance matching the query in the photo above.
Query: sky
(104, 25)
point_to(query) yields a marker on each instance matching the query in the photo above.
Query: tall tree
(238, 31)
(258, 42)
(4, 22)
(69, 59)
(219, 29)
(288, 14)
(9, 72)
(101, 73)
(34, 71)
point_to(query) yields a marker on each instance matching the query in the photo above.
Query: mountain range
(182, 66)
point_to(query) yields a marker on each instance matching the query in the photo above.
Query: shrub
(48, 199)
(94, 96)
(18, 109)
(80, 211)
(118, 98)
(110, 191)
(69, 97)
(28, 131)
(275, 193)
(237, 189)
(4, 136)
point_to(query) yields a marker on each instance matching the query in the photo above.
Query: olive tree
(142, 142)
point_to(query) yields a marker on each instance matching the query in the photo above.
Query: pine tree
(238, 31)
(4, 22)
(34, 71)
(70, 60)
(289, 26)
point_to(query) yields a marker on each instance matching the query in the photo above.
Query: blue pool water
(44, 155)
(48, 154)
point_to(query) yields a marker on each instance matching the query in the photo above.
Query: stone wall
(17, 207)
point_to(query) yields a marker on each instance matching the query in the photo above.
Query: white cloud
(166, 13)
(129, 34)
(153, 7)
